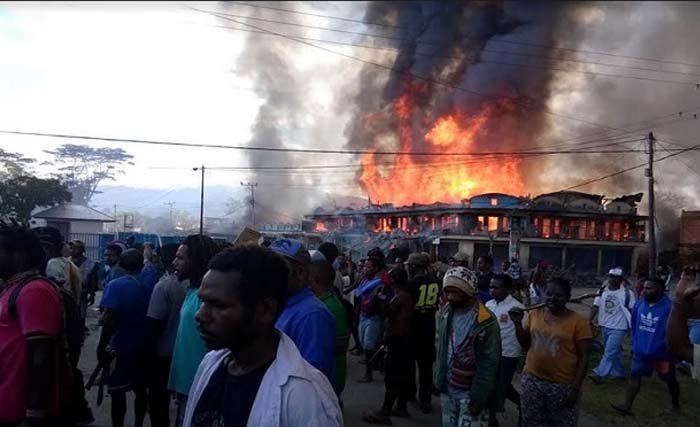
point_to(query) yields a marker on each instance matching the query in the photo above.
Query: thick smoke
(444, 43)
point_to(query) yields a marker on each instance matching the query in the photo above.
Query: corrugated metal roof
(71, 211)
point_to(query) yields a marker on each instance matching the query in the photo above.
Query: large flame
(407, 179)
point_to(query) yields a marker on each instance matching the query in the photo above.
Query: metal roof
(70, 211)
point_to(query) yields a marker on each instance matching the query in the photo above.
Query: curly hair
(264, 273)
(24, 245)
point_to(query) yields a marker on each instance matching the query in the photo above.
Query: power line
(314, 151)
(545, 109)
(490, 61)
(678, 159)
(503, 41)
(639, 166)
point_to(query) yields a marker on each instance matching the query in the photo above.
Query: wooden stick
(575, 299)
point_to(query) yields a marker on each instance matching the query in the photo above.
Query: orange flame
(405, 179)
(320, 227)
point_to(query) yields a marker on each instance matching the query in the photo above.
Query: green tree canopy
(82, 168)
(21, 194)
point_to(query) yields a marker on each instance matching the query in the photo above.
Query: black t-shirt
(228, 399)
(426, 297)
(483, 280)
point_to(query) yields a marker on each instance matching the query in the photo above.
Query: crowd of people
(260, 335)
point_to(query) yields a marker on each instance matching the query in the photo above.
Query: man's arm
(317, 343)
(677, 326)
(42, 375)
(593, 314)
(108, 323)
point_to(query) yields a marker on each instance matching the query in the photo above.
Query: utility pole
(251, 187)
(652, 212)
(201, 202)
(116, 221)
(170, 205)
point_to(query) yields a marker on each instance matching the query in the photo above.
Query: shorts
(128, 373)
(370, 332)
(644, 366)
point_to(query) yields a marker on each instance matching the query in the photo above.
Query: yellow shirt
(552, 355)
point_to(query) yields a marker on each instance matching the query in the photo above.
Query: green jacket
(486, 388)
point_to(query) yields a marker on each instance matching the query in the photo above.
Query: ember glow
(407, 179)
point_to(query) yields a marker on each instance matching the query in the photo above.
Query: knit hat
(460, 257)
(462, 279)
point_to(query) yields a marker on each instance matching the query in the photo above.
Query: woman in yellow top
(557, 358)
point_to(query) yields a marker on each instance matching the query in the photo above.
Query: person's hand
(474, 408)
(516, 314)
(90, 299)
(571, 399)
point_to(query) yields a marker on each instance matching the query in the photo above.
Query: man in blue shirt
(305, 319)
(125, 302)
(649, 345)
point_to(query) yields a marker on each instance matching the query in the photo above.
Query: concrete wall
(86, 227)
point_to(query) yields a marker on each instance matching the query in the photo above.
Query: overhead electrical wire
(503, 41)
(313, 151)
(492, 61)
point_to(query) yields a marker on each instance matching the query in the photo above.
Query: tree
(20, 194)
(13, 164)
(82, 168)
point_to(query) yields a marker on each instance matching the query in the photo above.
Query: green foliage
(20, 194)
(12, 164)
(82, 168)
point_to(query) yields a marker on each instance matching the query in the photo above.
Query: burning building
(585, 232)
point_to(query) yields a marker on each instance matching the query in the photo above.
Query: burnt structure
(585, 232)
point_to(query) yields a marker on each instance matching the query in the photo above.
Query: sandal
(621, 409)
(376, 418)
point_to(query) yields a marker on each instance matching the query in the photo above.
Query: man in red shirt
(28, 333)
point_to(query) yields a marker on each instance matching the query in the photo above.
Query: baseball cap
(291, 249)
(460, 256)
(317, 256)
(616, 272)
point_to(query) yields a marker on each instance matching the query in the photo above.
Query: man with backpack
(613, 307)
(125, 303)
(29, 336)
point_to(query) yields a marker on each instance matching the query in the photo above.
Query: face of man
(615, 281)
(371, 270)
(111, 257)
(555, 298)
(181, 263)
(223, 320)
(498, 290)
(505, 266)
(652, 292)
(482, 265)
(75, 250)
(456, 297)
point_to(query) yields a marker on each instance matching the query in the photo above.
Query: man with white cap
(468, 353)
(613, 307)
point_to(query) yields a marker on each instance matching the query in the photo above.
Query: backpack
(69, 340)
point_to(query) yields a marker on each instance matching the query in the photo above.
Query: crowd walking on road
(259, 335)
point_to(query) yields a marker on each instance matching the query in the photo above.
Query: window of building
(546, 224)
(494, 201)
(557, 227)
(493, 223)
(591, 229)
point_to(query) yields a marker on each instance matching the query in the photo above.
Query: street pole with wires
(251, 186)
(652, 212)
(201, 202)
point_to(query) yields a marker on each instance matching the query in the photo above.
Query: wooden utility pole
(251, 186)
(201, 202)
(652, 212)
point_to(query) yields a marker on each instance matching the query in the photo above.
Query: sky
(164, 71)
(142, 70)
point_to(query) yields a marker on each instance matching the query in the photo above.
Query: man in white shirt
(613, 307)
(500, 288)
(254, 375)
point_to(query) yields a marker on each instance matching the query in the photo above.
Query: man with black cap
(305, 319)
(426, 295)
(613, 308)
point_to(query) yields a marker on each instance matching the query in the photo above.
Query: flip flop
(374, 418)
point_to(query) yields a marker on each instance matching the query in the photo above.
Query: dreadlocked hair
(22, 244)
(200, 249)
